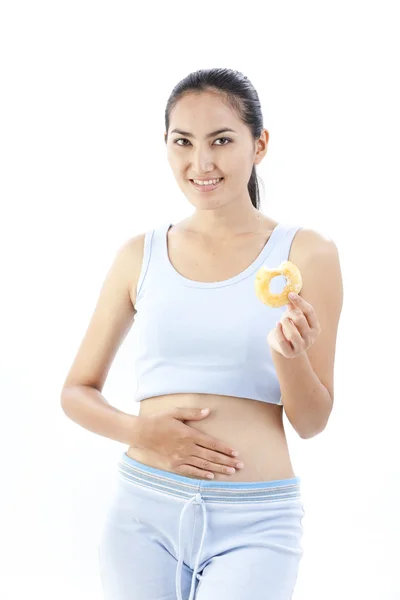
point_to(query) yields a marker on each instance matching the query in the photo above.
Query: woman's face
(229, 154)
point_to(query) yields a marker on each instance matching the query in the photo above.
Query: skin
(220, 239)
(228, 213)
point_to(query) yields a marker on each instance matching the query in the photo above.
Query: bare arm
(87, 407)
(81, 397)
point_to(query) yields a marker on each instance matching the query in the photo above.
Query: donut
(293, 283)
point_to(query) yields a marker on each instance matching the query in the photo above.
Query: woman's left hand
(296, 331)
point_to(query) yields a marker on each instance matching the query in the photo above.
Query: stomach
(253, 428)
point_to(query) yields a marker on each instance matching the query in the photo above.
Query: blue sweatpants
(172, 537)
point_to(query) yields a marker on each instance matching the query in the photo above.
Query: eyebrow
(218, 131)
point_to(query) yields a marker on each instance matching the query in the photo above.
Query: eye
(185, 139)
(229, 140)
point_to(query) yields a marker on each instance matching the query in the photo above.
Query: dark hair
(239, 92)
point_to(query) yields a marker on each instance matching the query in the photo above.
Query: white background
(83, 167)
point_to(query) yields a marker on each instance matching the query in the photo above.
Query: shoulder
(307, 243)
(317, 257)
(133, 245)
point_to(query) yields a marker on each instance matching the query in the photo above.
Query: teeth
(212, 181)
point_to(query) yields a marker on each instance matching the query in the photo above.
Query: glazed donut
(263, 278)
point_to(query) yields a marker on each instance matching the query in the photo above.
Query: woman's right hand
(183, 449)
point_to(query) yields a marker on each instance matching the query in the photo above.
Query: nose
(202, 161)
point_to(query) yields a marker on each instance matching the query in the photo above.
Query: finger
(294, 336)
(191, 471)
(300, 321)
(283, 341)
(290, 330)
(307, 309)
(210, 443)
(211, 466)
(215, 457)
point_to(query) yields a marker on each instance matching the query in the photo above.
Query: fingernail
(292, 296)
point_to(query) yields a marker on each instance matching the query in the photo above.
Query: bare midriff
(253, 428)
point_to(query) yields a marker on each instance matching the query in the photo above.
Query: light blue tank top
(209, 338)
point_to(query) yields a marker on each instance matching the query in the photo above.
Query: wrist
(131, 428)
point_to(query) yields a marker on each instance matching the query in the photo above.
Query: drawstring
(197, 498)
(142, 475)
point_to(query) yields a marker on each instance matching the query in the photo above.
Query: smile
(206, 188)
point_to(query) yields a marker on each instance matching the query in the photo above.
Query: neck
(219, 224)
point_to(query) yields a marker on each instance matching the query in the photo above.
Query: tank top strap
(153, 253)
(287, 232)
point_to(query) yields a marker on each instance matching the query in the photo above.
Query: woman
(204, 339)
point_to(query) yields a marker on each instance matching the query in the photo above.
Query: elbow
(64, 394)
(68, 393)
(310, 433)
(305, 430)
(318, 427)
(64, 401)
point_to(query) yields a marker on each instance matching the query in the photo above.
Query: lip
(206, 178)
(207, 188)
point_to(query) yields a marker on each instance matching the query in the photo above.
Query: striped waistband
(211, 491)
